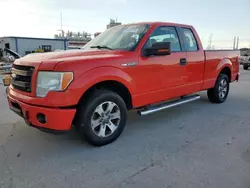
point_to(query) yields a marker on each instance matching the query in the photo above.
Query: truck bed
(217, 58)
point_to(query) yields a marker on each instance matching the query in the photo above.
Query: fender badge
(132, 64)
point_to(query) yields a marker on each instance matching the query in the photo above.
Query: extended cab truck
(135, 66)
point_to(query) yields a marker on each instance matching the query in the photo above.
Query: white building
(26, 45)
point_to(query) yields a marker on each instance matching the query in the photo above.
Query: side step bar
(166, 105)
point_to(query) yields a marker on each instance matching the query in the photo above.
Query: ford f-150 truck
(143, 66)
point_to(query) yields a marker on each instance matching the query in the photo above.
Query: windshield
(122, 37)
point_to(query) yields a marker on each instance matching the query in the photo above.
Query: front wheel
(102, 118)
(245, 67)
(219, 93)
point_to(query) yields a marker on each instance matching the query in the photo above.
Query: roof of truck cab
(159, 23)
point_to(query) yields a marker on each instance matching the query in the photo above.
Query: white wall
(32, 44)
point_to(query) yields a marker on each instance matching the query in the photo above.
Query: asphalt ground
(194, 145)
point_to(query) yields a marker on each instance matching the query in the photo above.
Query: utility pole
(61, 30)
(234, 43)
(210, 41)
(237, 43)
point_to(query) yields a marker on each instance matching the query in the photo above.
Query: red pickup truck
(138, 66)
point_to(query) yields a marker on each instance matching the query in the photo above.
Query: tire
(215, 94)
(245, 67)
(102, 118)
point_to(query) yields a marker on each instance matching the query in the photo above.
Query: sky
(221, 19)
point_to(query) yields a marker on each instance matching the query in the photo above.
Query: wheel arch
(227, 71)
(111, 78)
(225, 67)
(111, 85)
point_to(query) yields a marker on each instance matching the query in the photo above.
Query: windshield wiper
(101, 47)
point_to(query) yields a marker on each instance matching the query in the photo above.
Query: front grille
(21, 77)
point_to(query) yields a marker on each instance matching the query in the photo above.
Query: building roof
(33, 38)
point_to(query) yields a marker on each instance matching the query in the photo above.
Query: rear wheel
(102, 118)
(219, 93)
(245, 67)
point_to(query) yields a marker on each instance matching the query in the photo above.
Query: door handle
(183, 61)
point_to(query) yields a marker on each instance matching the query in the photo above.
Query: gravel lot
(195, 145)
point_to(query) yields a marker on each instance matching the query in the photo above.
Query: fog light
(41, 118)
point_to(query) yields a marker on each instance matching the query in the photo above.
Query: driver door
(167, 73)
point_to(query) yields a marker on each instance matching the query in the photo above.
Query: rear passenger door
(195, 59)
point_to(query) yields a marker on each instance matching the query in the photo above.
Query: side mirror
(158, 48)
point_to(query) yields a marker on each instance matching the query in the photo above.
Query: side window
(165, 34)
(189, 40)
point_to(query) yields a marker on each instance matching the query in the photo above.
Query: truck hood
(51, 59)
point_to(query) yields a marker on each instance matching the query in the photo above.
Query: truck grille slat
(21, 77)
(21, 72)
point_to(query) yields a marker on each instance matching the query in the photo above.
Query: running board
(166, 105)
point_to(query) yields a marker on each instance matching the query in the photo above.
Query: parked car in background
(142, 66)
(246, 62)
(241, 59)
(244, 57)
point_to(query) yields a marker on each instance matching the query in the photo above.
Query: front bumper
(56, 119)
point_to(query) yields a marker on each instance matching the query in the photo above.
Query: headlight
(52, 81)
